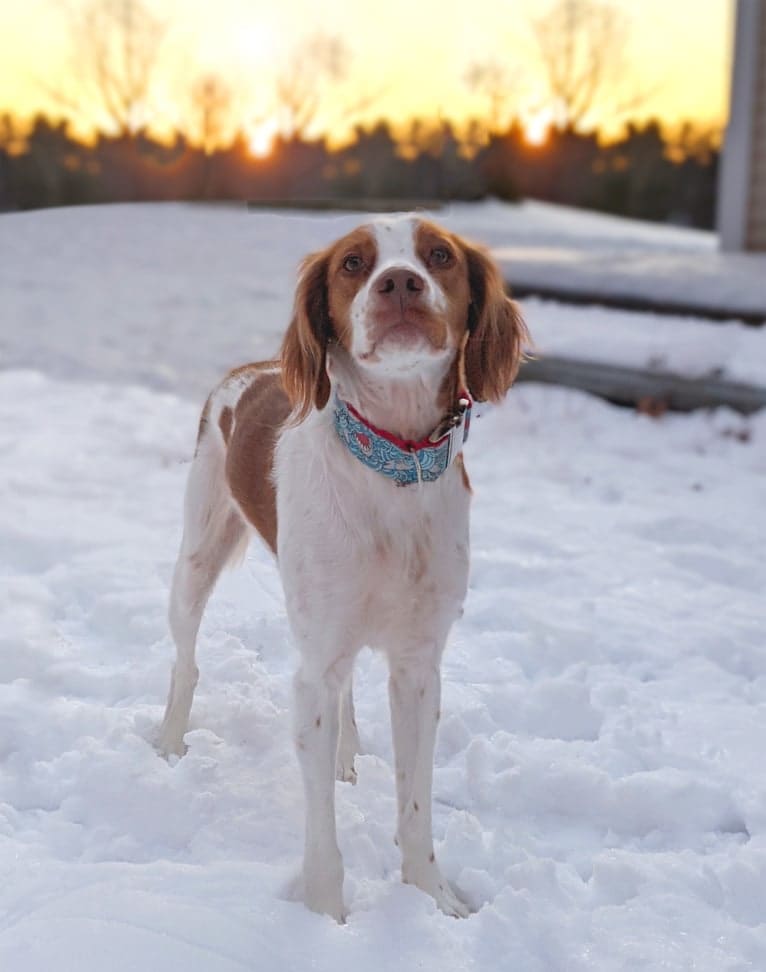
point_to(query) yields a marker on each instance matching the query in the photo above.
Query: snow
(541, 244)
(687, 346)
(599, 794)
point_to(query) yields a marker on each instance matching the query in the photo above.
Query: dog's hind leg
(348, 738)
(214, 533)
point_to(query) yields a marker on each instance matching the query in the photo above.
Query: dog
(345, 456)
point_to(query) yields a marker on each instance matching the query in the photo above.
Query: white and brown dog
(344, 455)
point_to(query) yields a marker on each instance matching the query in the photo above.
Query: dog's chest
(391, 556)
(409, 569)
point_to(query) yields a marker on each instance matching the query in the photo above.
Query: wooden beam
(635, 386)
(631, 302)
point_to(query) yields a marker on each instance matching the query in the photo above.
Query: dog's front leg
(317, 704)
(414, 693)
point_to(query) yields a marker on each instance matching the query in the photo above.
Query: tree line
(641, 174)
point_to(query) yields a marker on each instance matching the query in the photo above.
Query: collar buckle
(460, 422)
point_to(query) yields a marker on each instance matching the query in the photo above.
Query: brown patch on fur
(431, 857)
(321, 316)
(452, 277)
(225, 422)
(253, 368)
(342, 285)
(494, 349)
(304, 348)
(318, 721)
(259, 415)
(415, 806)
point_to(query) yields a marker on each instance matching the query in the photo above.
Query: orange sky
(411, 55)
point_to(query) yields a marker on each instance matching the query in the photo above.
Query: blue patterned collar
(403, 461)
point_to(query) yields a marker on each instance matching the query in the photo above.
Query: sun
(537, 128)
(261, 138)
(256, 43)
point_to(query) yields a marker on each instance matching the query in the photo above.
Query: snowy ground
(598, 793)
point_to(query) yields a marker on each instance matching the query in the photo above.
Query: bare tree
(582, 46)
(317, 62)
(211, 101)
(498, 84)
(115, 44)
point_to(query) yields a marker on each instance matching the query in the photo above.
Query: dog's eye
(440, 256)
(353, 263)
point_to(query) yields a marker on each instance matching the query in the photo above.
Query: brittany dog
(344, 454)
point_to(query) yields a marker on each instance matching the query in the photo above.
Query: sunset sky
(410, 56)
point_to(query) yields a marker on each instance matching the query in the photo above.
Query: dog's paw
(430, 879)
(170, 744)
(447, 901)
(344, 770)
(331, 905)
(323, 897)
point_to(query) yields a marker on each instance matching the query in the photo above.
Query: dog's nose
(400, 282)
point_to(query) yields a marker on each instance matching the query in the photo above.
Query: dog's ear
(496, 330)
(304, 349)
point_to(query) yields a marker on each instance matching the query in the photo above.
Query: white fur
(394, 581)
(363, 563)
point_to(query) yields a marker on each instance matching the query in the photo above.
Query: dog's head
(401, 295)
